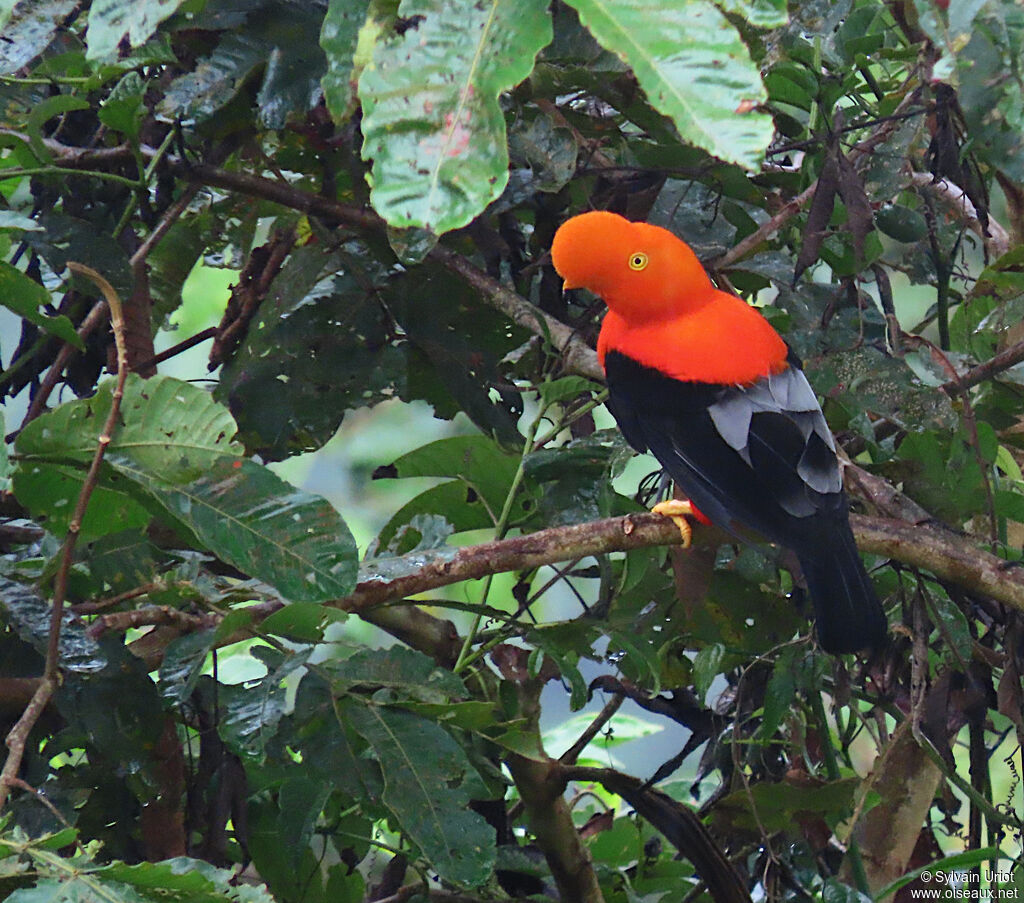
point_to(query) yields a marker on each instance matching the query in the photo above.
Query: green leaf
(406, 672)
(183, 664)
(27, 31)
(199, 94)
(759, 13)
(321, 346)
(343, 26)
(67, 238)
(188, 877)
(956, 862)
(302, 622)
(779, 694)
(458, 347)
(50, 490)
(693, 67)
(168, 426)
(25, 296)
(123, 108)
(254, 520)
(546, 151)
(426, 774)
(176, 444)
(111, 21)
(706, 667)
(253, 710)
(295, 64)
(279, 46)
(300, 800)
(432, 124)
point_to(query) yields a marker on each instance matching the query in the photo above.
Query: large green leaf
(167, 426)
(110, 21)
(432, 123)
(693, 67)
(80, 879)
(426, 774)
(249, 517)
(176, 445)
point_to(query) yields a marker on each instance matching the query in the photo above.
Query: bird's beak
(568, 286)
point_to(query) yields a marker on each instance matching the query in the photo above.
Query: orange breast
(724, 341)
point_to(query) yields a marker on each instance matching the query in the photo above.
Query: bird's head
(639, 270)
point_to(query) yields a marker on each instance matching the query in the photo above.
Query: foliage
(383, 180)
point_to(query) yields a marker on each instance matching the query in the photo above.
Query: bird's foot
(678, 510)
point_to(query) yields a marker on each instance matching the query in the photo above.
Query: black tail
(847, 612)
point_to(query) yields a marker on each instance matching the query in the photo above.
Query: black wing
(760, 455)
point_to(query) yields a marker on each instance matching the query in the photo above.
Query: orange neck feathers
(725, 341)
(664, 312)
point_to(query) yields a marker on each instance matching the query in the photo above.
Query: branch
(92, 321)
(580, 358)
(952, 557)
(793, 207)
(997, 240)
(1006, 359)
(542, 789)
(453, 565)
(948, 555)
(680, 825)
(18, 736)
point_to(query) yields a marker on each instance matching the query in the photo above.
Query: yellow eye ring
(637, 260)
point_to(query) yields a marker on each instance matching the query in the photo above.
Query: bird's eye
(637, 260)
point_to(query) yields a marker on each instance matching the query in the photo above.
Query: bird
(700, 379)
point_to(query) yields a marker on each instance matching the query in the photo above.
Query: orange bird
(701, 380)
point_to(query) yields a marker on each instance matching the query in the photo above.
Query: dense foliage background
(210, 693)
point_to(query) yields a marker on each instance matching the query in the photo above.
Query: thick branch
(949, 556)
(614, 534)
(542, 789)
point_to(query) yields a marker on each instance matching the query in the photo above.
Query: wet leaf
(432, 124)
(29, 613)
(28, 29)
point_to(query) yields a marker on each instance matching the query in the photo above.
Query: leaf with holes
(419, 760)
(432, 123)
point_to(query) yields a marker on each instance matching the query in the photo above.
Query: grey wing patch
(787, 393)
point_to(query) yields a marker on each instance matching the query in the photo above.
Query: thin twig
(793, 207)
(595, 727)
(92, 321)
(200, 337)
(18, 736)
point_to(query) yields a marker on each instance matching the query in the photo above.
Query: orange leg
(679, 510)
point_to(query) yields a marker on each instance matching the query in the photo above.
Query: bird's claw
(678, 510)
